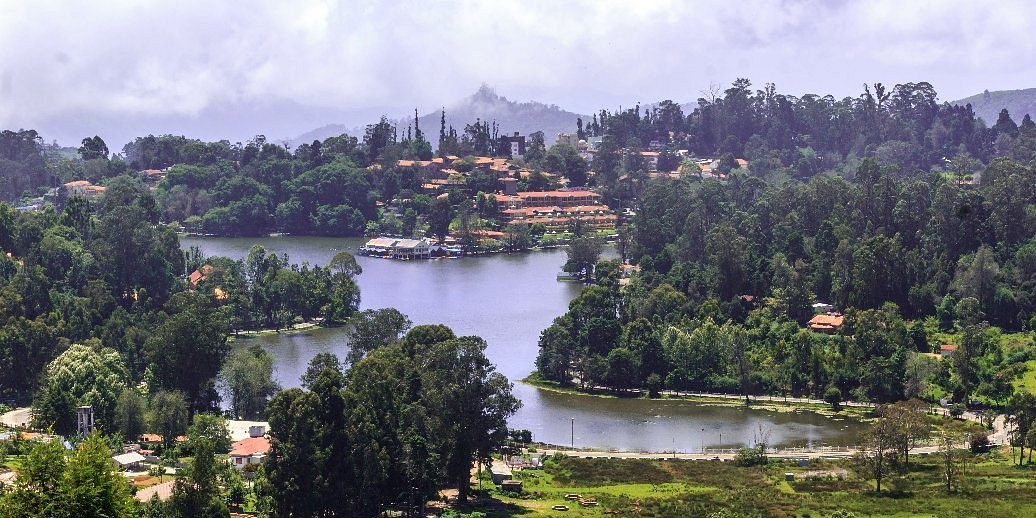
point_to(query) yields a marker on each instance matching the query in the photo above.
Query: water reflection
(508, 300)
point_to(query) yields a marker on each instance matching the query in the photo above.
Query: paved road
(19, 417)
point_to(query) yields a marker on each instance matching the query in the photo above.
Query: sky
(225, 69)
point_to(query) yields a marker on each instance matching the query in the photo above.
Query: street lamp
(573, 433)
(703, 440)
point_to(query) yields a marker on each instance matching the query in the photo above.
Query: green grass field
(663, 488)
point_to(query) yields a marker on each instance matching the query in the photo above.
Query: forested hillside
(890, 207)
(987, 105)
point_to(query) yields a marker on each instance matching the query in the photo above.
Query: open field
(661, 488)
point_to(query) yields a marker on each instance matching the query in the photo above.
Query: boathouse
(398, 248)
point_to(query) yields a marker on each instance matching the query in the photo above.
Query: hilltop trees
(881, 248)
(22, 164)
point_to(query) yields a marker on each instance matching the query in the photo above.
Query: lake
(508, 299)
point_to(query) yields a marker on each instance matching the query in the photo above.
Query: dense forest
(943, 228)
(109, 276)
(98, 309)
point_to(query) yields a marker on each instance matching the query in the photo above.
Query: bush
(751, 457)
(833, 397)
(980, 443)
(653, 384)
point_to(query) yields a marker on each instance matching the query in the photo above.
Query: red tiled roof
(248, 447)
(829, 321)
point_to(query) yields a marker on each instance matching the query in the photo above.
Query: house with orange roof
(197, 276)
(252, 450)
(827, 323)
(84, 189)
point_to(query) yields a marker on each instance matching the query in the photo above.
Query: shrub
(751, 457)
(980, 443)
(833, 397)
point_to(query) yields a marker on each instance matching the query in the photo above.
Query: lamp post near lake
(703, 440)
(573, 433)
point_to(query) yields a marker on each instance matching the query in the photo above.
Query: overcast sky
(65, 64)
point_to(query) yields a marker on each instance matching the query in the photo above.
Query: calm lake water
(508, 300)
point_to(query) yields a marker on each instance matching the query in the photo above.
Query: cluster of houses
(556, 209)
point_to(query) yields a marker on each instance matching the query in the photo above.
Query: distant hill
(485, 105)
(987, 105)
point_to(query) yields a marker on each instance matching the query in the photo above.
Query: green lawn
(1027, 381)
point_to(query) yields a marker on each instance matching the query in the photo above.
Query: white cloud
(181, 59)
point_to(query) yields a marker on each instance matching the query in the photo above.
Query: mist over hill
(484, 105)
(987, 105)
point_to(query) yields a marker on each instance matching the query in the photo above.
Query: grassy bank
(296, 328)
(661, 488)
(775, 405)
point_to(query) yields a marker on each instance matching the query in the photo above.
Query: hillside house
(198, 276)
(84, 189)
(827, 323)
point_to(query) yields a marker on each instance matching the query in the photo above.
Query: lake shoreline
(856, 411)
(508, 299)
(294, 329)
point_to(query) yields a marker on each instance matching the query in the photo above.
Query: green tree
(910, 425)
(93, 148)
(875, 456)
(344, 292)
(557, 351)
(439, 218)
(167, 416)
(188, 348)
(468, 405)
(247, 377)
(85, 484)
(374, 328)
(317, 365)
(584, 251)
(623, 371)
(564, 160)
(82, 375)
(309, 467)
(212, 428)
(130, 414)
(1021, 414)
(196, 493)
